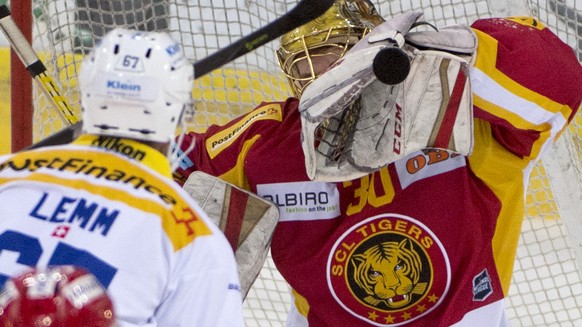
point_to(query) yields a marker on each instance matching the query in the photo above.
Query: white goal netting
(546, 289)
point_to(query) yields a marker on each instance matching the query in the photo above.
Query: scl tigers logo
(389, 273)
(388, 270)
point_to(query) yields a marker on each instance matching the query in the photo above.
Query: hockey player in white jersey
(106, 202)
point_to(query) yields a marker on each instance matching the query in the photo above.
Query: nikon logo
(116, 144)
(117, 85)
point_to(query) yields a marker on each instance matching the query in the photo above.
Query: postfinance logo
(220, 141)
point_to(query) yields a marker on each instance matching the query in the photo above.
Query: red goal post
(21, 105)
(546, 286)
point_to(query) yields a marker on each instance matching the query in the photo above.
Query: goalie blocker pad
(247, 220)
(432, 108)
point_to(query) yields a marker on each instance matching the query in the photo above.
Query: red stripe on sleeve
(446, 130)
(236, 213)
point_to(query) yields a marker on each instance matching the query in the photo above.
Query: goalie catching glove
(353, 124)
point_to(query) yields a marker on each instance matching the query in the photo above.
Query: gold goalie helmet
(332, 35)
(353, 123)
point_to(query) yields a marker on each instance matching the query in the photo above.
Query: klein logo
(117, 85)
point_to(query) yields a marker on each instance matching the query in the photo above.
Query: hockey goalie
(400, 189)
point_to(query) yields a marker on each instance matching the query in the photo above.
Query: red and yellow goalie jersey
(430, 239)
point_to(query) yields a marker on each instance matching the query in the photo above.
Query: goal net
(546, 289)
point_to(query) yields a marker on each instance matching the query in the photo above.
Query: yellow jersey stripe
(181, 224)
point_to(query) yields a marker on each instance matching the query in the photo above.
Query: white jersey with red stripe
(109, 205)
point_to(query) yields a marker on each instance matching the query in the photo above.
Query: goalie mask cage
(546, 287)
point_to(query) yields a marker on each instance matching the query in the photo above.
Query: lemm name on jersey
(85, 213)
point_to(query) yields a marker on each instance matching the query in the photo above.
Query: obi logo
(482, 286)
(118, 85)
(388, 270)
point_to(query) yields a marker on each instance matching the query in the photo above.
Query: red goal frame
(21, 104)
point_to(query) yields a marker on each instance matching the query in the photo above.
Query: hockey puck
(391, 65)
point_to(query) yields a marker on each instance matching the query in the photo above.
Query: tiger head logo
(388, 270)
(389, 273)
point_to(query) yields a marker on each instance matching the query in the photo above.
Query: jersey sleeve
(526, 82)
(204, 289)
(222, 150)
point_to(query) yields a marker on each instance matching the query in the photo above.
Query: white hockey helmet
(135, 85)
